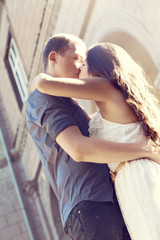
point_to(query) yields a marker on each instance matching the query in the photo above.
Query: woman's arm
(96, 88)
(85, 149)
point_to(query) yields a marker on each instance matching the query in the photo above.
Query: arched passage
(136, 50)
(124, 29)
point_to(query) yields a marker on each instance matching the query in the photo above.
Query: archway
(124, 29)
(136, 50)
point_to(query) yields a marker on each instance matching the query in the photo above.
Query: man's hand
(154, 149)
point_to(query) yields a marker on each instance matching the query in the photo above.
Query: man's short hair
(59, 43)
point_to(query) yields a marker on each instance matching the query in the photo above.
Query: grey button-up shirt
(72, 182)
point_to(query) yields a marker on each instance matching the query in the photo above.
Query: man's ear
(53, 56)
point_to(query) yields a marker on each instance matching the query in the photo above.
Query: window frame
(16, 71)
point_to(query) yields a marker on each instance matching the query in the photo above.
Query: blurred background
(28, 207)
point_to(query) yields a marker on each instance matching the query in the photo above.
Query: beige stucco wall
(132, 24)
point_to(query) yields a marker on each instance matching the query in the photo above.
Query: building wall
(12, 224)
(133, 25)
(25, 19)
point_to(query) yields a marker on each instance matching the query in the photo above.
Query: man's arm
(85, 149)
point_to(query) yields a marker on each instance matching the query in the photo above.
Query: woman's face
(84, 70)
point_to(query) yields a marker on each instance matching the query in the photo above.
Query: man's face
(69, 65)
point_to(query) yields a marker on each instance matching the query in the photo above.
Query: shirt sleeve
(48, 112)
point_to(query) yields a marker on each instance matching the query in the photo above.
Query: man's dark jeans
(96, 221)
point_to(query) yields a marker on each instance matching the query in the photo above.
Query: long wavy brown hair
(116, 65)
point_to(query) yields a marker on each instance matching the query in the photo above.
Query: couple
(128, 113)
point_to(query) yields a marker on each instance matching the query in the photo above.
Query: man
(87, 201)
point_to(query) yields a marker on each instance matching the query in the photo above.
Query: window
(16, 72)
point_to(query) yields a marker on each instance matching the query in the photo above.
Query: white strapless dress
(137, 183)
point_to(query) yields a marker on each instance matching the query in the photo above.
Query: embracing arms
(86, 149)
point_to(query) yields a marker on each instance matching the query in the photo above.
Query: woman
(128, 112)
